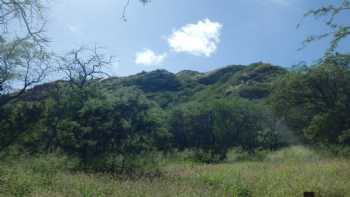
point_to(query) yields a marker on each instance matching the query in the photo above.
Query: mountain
(168, 89)
(251, 82)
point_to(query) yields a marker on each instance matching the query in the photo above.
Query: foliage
(23, 57)
(158, 80)
(17, 123)
(314, 102)
(213, 128)
(107, 122)
(103, 126)
(22, 65)
(110, 124)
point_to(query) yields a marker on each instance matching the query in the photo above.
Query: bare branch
(26, 12)
(83, 65)
(22, 65)
(338, 31)
(123, 17)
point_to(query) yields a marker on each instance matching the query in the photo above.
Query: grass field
(286, 173)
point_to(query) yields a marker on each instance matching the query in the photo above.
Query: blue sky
(189, 34)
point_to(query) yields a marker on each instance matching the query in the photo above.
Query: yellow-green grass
(286, 173)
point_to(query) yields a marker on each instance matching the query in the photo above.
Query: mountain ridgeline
(251, 82)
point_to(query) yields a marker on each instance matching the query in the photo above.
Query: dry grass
(284, 173)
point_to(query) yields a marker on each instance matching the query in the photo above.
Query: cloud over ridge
(200, 39)
(149, 58)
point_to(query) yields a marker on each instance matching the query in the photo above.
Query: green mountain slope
(251, 82)
(169, 89)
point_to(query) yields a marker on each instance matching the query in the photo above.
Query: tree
(23, 60)
(212, 128)
(84, 65)
(104, 129)
(314, 101)
(110, 130)
(28, 13)
(19, 124)
(22, 65)
(81, 68)
(337, 31)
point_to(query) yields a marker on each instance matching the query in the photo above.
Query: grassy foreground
(287, 173)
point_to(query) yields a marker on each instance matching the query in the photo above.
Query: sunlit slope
(168, 89)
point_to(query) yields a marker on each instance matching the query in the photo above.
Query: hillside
(251, 82)
(168, 89)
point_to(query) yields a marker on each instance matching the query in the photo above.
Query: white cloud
(197, 39)
(148, 57)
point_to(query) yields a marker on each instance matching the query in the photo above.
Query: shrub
(314, 101)
(294, 153)
(212, 128)
(208, 156)
(143, 164)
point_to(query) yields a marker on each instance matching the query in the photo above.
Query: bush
(331, 150)
(241, 190)
(314, 102)
(294, 153)
(212, 128)
(143, 164)
(208, 156)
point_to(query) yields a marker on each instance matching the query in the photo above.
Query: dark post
(309, 194)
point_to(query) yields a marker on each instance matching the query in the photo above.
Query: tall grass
(288, 172)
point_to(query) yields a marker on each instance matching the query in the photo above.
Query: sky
(200, 35)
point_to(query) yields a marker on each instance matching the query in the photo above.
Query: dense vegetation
(108, 122)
